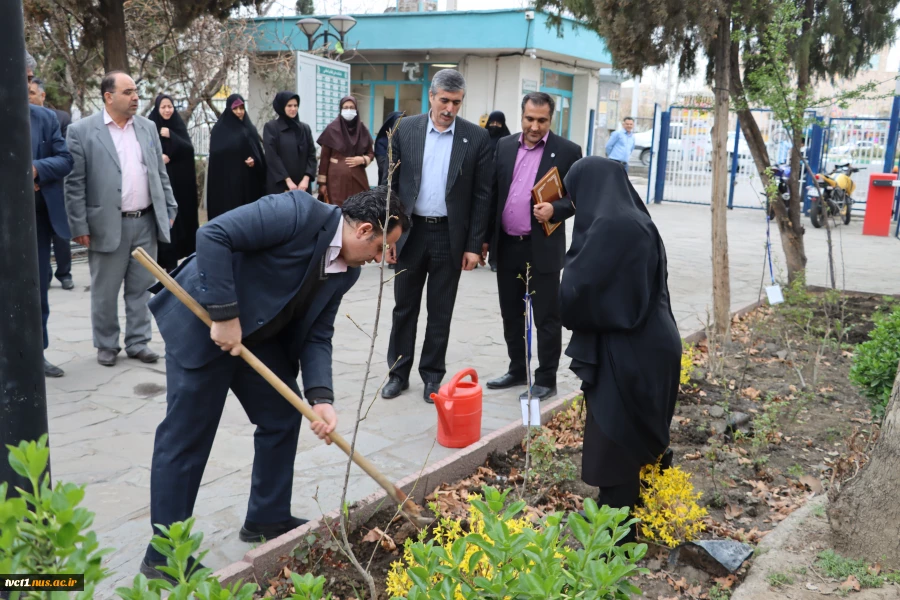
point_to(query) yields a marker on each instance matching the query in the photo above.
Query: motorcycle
(836, 195)
(782, 174)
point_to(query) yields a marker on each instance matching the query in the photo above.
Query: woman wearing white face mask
(347, 149)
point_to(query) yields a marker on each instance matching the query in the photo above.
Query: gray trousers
(108, 271)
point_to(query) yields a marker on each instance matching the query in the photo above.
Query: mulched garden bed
(764, 425)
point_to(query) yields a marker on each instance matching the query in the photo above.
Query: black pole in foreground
(23, 395)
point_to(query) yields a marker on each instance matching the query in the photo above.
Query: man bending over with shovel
(271, 274)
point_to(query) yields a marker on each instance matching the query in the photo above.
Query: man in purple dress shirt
(517, 239)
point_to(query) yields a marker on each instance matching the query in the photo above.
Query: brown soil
(779, 425)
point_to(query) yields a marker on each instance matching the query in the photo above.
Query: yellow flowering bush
(445, 534)
(505, 556)
(670, 513)
(687, 363)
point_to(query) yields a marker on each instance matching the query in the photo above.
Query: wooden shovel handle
(305, 409)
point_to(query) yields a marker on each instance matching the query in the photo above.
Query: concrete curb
(260, 563)
(699, 336)
(770, 555)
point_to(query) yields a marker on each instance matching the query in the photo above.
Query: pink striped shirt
(516, 218)
(135, 184)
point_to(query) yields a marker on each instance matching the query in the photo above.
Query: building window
(559, 86)
(558, 81)
(383, 88)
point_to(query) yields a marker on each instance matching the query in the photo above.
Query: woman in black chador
(290, 151)
(625, 346)
(178, 154)
(237, 166)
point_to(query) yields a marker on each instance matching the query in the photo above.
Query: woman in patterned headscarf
(347, 149)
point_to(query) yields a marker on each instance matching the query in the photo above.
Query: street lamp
(340, 23)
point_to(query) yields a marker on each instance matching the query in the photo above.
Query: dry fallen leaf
(812, 483)
(373, 536)
(726, 582)
(811, 587)
(733, 512)
(875, 569)
(751, 393)
(852, 583)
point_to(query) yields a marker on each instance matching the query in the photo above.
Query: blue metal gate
(685, 169)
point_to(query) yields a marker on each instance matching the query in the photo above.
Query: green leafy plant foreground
(44, 531)
(875, 361)
(575, 557)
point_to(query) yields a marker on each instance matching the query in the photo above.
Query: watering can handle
(451, 388)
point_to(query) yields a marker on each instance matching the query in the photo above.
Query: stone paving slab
(102, 420)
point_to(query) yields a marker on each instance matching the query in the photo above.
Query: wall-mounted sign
(330, 79)
(529, 85)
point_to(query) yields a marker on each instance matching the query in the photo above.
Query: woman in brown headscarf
(346, 152)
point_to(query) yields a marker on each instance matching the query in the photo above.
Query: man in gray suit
(119, 198)
(444, 181)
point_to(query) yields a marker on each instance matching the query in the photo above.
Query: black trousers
(62, 252)
(44, 237)
(515, 254)
(425, 260)
(195, 399)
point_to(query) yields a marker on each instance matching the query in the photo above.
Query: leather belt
(518, 238)
(134, 214)
(430, 219)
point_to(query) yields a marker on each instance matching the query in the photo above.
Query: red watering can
(459, 411)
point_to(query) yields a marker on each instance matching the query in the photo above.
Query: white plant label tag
(774, 294)
(535, 412)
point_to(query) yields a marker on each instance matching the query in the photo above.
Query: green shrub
(875, 361)
(529, 563)
(45, 532)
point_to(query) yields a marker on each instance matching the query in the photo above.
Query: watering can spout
(443, 406)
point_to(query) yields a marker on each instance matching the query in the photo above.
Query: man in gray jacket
(118, 198)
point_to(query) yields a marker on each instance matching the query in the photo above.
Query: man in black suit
(444, 182)
(517, 239)
(61, 249)
(272, 275)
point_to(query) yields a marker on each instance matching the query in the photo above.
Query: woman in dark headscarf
(237, 166)
(346, 152)
(290, 152)
(496, 126)
(625, 346)
(178, 154)
(381, 145)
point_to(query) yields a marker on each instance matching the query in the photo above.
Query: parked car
(643, 142)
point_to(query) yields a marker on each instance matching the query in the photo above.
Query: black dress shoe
(106, 357)
(506, 381)
(52, 370)
(149, 570)
(258, 532)
(431, 388)
(540, 392)
(394, 387)
(145, 355)
(67, 283)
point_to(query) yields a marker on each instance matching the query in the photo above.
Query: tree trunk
(791, 229)
(719, 200)
(865, 514)
(115, 51)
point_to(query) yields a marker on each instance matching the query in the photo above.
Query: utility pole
(23, 396)
(636, 98)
